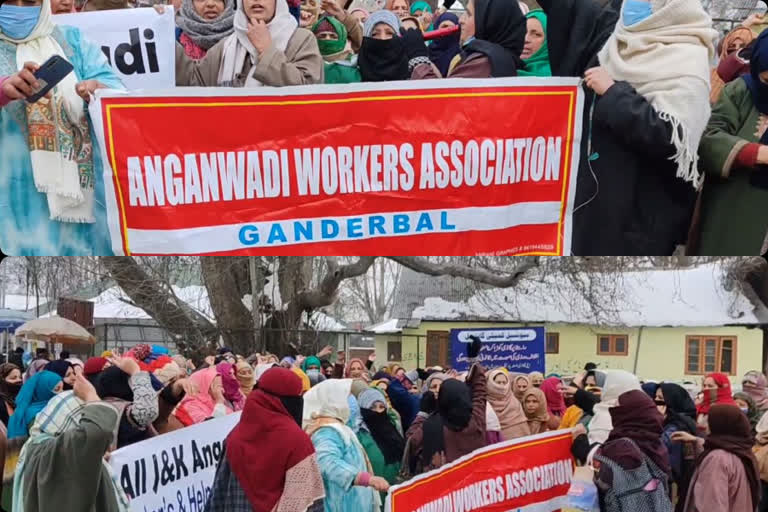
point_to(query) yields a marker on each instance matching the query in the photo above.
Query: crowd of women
(320, 436)
(648, 141)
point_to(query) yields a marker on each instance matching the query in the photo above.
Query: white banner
(175, 471)
(139, 43)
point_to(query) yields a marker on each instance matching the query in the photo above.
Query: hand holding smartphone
(53, 71)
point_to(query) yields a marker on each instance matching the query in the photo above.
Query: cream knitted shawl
(666, 59)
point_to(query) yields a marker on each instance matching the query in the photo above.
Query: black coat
(638, 206)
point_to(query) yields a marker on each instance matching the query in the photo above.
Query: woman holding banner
(350, 484)
(458, 424)
(65, 209)
(267, 48)
(269, 463)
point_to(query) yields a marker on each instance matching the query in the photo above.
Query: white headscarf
(666, 59)
(237, 46)
(617, 382)
(328, 399)
(56, 173)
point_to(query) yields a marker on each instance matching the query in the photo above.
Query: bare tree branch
(480, 275)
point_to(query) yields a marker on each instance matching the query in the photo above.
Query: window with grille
(612, 345)
(707, 354)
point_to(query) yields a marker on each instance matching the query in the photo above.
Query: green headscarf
(329, 48)
(311, 361)
(422, 6)
(538, 63)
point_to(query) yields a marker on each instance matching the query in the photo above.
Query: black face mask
(295, 407)
(382, 60)
(13, 389)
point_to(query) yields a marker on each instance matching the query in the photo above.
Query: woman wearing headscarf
(32, 398)
(535, 409)
(727, 477)
(647, 109)
(347, 475)
(634, 440)
(208, 402)
(536, 379)
(355, 369)
(733, 154)
(755, 384)
(535, 51)
(458, 425)
(679, 412)
(267, 48)
(443, 50)
(512, 419)
(63, 369)
(269, 462)
(399, 8)
(617, 382)
(379, 436)
(382, 55)
(732, 43)
(231, 386)
(433, 383)
(332, 41)
(130, 391)
(64, 209)
(553, 391)
(62, 466)
(747, 405)
(245, 379)
(94, 366)
(495, 34)
(10, 385)
(717, 390)
(520, 384)
(422, 11)
(202, 24)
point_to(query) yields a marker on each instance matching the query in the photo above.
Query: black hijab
(499, 35)
(383, 60)
(681, 411)
(387, 438)
(60, 368)
(576, 31)
(454, 411)
(113, 383)
(758, 63)
(444, 49)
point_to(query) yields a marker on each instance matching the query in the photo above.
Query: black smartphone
(49, 75)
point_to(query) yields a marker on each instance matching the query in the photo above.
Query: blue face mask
(636, 11)
(18, 22)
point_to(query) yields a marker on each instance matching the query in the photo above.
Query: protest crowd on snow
(672, 148)
(316, 435)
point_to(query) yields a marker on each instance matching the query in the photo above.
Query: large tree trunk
(227, 280)
(194, 332)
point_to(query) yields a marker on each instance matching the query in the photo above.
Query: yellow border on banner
(110, 136)
(473, 459)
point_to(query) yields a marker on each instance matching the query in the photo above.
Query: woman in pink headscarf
(553, 391)
(209, 402)
(231, 385)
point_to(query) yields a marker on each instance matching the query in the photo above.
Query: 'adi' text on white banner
(138, 43)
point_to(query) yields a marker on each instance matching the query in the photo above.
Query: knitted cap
(386, 17)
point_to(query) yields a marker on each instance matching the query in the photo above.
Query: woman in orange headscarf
(734, 41)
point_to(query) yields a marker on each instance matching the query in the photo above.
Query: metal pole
(255, 295)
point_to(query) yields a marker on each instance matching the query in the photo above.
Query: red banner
(531, 474)
(438, 167)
